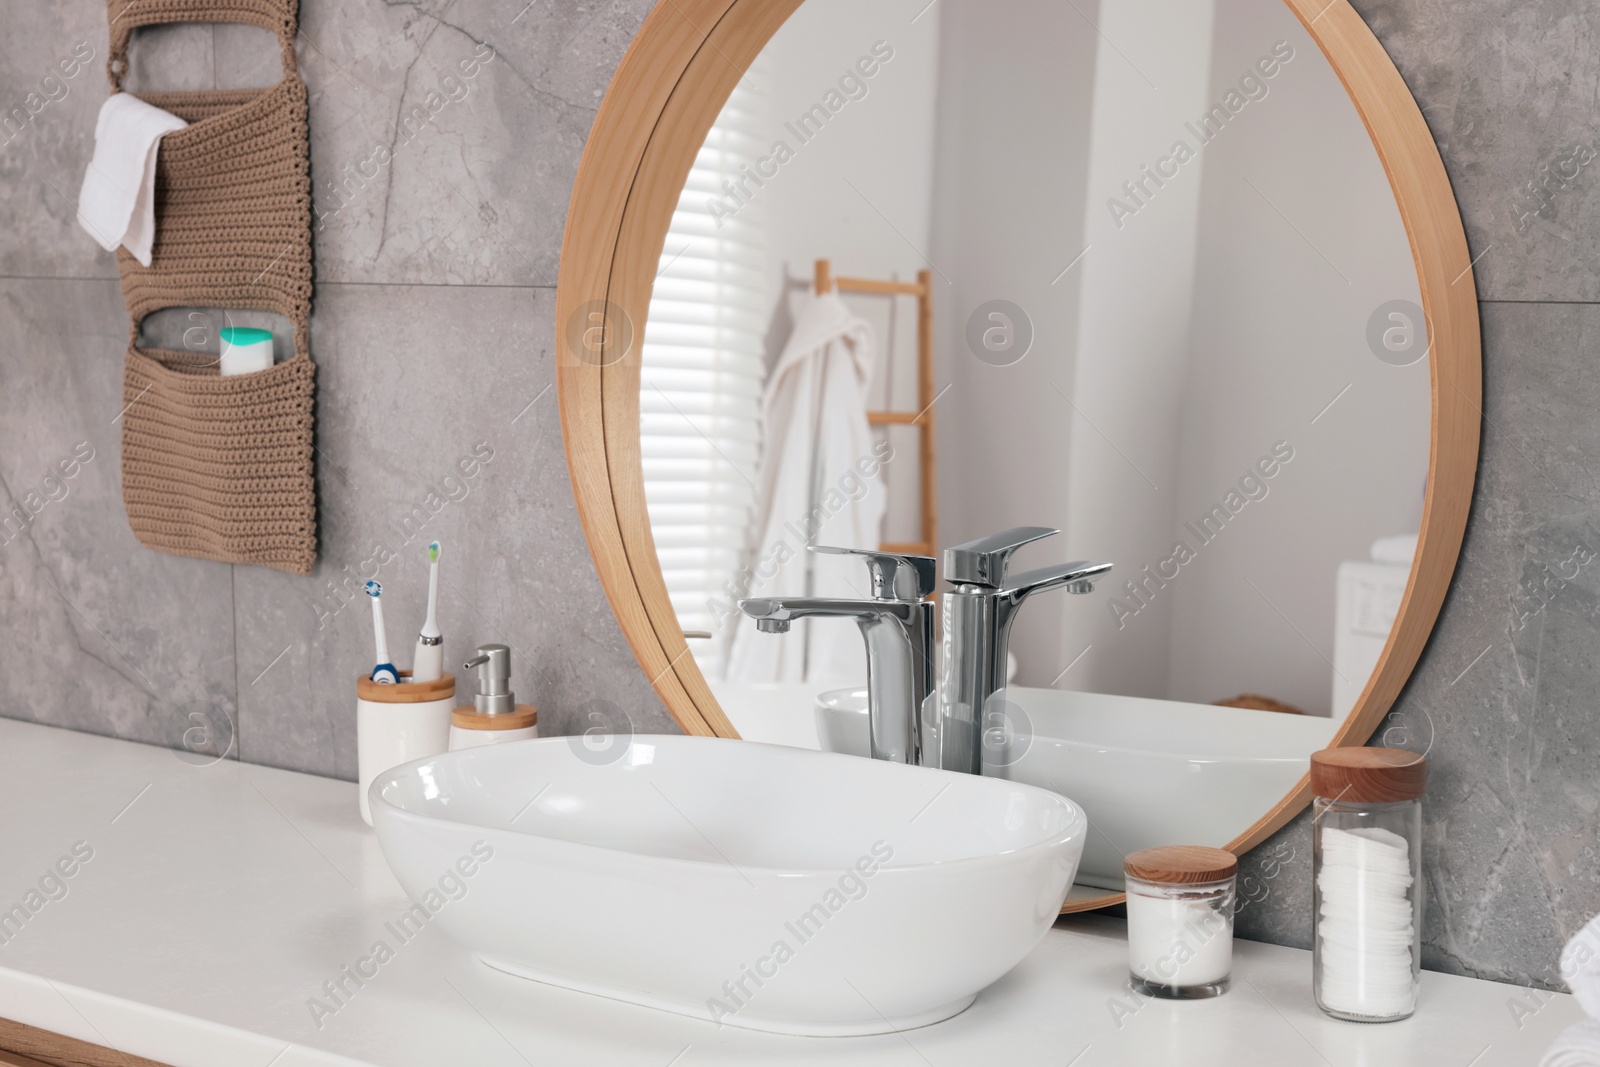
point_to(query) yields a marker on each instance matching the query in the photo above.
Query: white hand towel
(118, 202)
(1576, 1046)
(1580, 967)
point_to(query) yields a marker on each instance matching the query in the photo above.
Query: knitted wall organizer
(212, 467)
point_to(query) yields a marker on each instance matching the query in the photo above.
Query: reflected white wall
(1017, 82)
(1146, 164)
(1300, 247)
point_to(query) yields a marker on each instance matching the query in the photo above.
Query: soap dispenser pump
(495, 715)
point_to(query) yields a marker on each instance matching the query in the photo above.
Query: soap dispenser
(495, 715)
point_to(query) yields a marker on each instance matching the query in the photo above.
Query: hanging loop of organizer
(214, 467)
(278, 17)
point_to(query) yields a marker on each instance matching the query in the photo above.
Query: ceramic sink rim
(1077, 819)
(845, 701)
(1156, 753)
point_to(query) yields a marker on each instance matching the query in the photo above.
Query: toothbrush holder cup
(396, 724)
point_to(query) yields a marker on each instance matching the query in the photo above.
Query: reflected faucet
(977, 615)
(897, 624)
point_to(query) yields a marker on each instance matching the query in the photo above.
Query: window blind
(702, 378)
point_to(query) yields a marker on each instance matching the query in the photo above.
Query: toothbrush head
(374, 590)
(433, 552)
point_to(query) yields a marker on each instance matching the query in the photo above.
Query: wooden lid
(405, 692)
(468, 718)
(1368, 775)
(1181, 864)
(1257, 702)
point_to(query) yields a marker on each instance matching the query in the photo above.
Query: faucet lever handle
(984, 561)
(895, 576)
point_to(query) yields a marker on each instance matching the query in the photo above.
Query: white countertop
(219, 899)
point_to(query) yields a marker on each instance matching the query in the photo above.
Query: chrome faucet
(897, 624)
(976, 617)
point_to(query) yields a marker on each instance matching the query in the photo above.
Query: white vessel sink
(751, 885)
(1147, 772)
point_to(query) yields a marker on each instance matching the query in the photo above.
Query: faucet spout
(1078, 577)
(789, 608)
(899, 638)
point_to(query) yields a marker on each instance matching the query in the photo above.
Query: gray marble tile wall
(432, 327)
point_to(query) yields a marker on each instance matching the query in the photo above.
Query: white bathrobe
(817, 444)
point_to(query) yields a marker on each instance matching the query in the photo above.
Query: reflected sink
(1147, 772)
(750, 885)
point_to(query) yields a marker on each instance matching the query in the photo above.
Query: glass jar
(1366, 863)
(1180, 920)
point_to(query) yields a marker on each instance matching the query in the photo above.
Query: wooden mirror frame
(666, 94)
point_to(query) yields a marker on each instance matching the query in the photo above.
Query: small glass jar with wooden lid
(1366, 845)
(1180, 920)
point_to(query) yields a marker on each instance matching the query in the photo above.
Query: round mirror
(1131, 274)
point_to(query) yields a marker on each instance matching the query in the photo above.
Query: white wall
(1136, 283)
(1015, 92)
(1280, 317)
(1042, 117)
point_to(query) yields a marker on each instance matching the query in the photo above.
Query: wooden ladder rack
(922, 418)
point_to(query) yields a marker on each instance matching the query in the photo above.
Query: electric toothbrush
(428, 664)
(384, 673)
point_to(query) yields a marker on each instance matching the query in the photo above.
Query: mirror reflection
(1131, 271)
